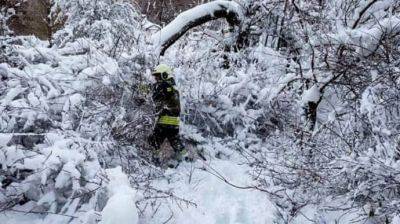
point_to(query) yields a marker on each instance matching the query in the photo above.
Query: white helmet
(163, 69)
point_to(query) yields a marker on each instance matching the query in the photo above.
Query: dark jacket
(166, 98)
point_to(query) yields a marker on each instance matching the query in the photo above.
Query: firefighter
(167, 102)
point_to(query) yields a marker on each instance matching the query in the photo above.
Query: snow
(3, 69)
(225, 101)
(68, 174)
(216, 202)
(74, 102)
(183, 19)
(33, 100)
(48, 198)
(13, 93)
(4, 139)
(106, 80)
(253, 105)
(367, 102)
(311, 95)
(120, 208)
(396, 219)
(368, 37)
(20, 218)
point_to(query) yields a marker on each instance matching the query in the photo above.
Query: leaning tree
(231, 11)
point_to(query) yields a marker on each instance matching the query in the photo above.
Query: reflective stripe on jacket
(169, 120)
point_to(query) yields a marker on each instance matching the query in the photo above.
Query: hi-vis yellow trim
(168, 120)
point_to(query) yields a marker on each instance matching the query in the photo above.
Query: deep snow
(215, 201)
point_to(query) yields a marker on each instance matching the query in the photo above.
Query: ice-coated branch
(361, 13)
(196, 16)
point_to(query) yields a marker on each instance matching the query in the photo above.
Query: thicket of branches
(73, 108)
(310, 98)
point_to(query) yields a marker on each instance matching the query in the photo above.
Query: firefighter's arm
(159, 92)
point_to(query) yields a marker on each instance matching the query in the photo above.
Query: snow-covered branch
(195, 17)
(367, 39)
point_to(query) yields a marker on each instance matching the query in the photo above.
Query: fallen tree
(196, 16)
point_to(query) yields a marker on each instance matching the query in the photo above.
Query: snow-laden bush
(311, 101)
(109, 24)
(343, 145)
(234, 100)
(67, 110)
(59, 176)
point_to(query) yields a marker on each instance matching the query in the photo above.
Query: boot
(183, 155)
(173, 163)
(178, 157)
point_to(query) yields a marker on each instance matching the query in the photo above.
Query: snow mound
(120, 208)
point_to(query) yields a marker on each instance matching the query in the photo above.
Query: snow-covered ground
(213, 200)
(210, 199)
